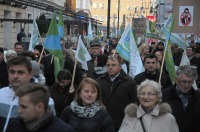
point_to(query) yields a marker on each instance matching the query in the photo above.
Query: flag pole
(39, 61)
(74, 71)
(163, 60)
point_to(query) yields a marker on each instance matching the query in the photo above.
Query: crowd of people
(102, 99)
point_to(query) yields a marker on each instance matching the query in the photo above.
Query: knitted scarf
(85, 111)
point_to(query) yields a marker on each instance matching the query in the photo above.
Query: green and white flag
(82, 55)
(127, 49)
(168, 57)
(34, 36)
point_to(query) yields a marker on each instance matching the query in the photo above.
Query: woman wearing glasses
(150, 115)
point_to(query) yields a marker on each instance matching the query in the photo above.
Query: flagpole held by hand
(73, 76)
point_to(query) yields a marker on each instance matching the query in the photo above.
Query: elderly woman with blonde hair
(150, 115)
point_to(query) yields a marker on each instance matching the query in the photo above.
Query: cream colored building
(16, 10)
(128, 8)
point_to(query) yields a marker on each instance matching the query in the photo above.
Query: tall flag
(174, 38)
(127, 49)
(61, 25)
(52, 42)
(82, 55)
(34, 36)
(168, 56)
(90, 35)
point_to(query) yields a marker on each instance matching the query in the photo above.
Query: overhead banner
(187, 18)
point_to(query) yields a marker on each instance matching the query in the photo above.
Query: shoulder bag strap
(142, 124)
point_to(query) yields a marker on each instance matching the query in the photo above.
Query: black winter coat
(101, 122)
(188, 120)
(61, 99)
(53, 124)
(117, 95)
(165, 80)
(3, 74)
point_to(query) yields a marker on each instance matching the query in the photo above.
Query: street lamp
(145, 8)
(130, 14)
(137, 11)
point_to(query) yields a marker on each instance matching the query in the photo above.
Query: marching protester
(151, 115)
(10, 54)
(94, 51)
(152, 73)
(61, 91)
(184, 100)
(176, 53)
(118, 90)
(87, 112)
(143, 50)
(34, 112)
(99, 65)
(47, 64)
(19, 73)
(3, 70)
(19, 48)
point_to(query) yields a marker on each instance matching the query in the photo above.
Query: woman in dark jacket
(100, 65)
(87, 113)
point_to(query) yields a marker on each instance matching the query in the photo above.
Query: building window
(101, 5)
(101, 18)
(94, 5)
(95, 17)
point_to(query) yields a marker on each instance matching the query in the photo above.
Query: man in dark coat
(151, 72)
(3, 70)
(177, 54)
(184, 100)
(34, 115)
(117, 90)
(94, 51)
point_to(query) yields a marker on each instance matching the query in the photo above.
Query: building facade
(128, 9)
(12, 15)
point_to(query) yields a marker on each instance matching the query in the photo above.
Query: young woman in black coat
(87, 113)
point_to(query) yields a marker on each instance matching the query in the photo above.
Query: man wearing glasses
(117, 90)
(184, 100)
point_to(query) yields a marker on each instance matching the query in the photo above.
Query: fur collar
(131, 109)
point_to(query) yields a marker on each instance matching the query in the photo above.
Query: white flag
(135, 64)
(34, 36)
(82, 55)
(127, 49)
(90, 35)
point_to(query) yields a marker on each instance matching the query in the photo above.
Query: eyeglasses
(183, 82)
(111, 65)
(148, 94)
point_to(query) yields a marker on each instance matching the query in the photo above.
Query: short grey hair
(11, 52)
(190, 71)
(153, 85)
(113, 59)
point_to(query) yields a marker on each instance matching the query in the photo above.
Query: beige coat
(158, 120)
